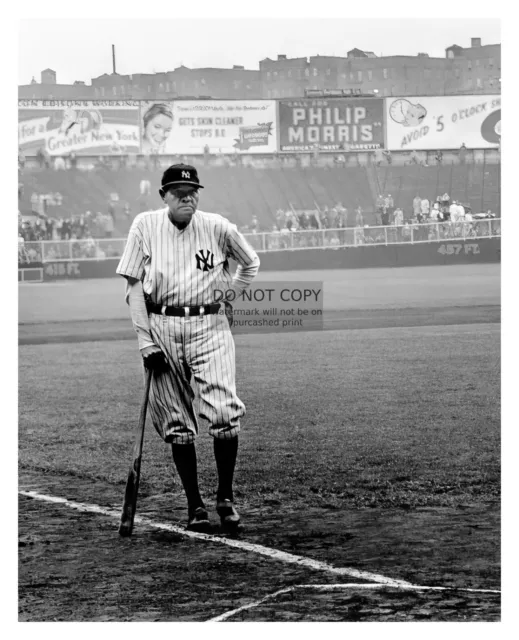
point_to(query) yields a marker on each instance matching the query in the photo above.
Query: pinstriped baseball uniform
(184, 267)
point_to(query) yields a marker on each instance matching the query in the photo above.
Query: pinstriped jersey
(184, 267)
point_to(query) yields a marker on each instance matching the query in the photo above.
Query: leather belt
(183, 312)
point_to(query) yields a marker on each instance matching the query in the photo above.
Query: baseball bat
(134, 474)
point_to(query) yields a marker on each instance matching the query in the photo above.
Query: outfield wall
(366, 256)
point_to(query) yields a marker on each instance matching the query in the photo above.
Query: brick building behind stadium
(475, 69)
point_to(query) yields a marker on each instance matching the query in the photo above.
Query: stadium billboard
(334, 124)
(443, 122)
(86, 127)
(225, 126)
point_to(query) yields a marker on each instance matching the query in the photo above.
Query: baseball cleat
(229, 517)
(199, 520)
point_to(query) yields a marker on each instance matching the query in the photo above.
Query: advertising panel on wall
(86, 127)
(225, 126)
(443, 122)
(334, 124)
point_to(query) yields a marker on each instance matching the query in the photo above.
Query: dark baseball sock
(184, 457)
(225, 453)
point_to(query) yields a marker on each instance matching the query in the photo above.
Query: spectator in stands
(40, 155)
(462, 153)
(417, 205)
(290, 221)
(127, 210)
(157, 124)
(72, 160)
(145, 187)
(439, 156)
(21, 159)
(378, 157)
(340, 160)
(303, 220)
(435, 212)
(111, 209)
(387, 155)
(398, 217)
(380, 208)
(342, 217)
(389, 204)
(314, 219)
(385, 217)
(59, 163)
(332, 218)
(406, 232)
(109, 226)
(453, 211)
(413, 158)
(254, 224)
(359, 218)
(425, 208)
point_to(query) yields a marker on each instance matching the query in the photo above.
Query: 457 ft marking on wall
(455, 249)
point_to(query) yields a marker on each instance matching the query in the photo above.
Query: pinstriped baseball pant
(199, 349)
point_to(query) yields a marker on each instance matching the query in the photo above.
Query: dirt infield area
(368, 475)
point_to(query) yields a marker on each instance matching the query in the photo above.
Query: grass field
(373, 445)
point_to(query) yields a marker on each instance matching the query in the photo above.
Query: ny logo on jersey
(186, 174)
(204, 260)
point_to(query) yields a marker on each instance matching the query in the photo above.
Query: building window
(122, 89)
(236, 84)
(476, 63)
(457, 73)
(370, 75)
(275, 74)
(281, 74)
(479, 84)
(289, 73)
(149, 88)
(307, 72)
(359, 76)
(268, 75)
(469, 83)
(491, 62)
(427, 73)
(174, 86)
(352, 76)
(328, 72)
(161, 86)
(343, 75)
(96, 91)
(315, 72)
(384, 73)
(469, 65)
(114, 90)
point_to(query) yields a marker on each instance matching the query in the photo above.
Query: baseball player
(174, 261)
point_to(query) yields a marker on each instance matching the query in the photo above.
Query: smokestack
(113, 58)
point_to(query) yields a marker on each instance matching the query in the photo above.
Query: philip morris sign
(334, 124)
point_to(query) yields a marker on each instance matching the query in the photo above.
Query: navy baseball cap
(180, 174)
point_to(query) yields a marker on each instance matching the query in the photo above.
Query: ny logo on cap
(204, 260)
(186, 174)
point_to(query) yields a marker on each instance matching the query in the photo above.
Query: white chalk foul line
(274, 554)
(338, 587)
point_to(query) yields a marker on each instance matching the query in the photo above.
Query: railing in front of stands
(285, 240)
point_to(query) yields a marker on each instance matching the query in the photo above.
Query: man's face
(182, 201)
